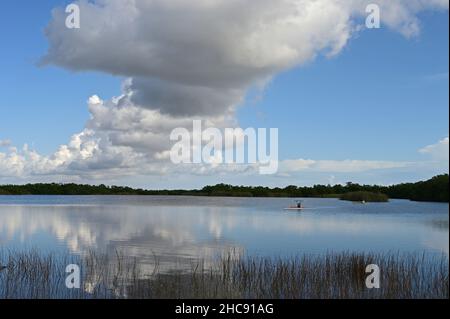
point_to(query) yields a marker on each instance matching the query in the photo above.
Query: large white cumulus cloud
(197, 57)
(119, 139)
(200, 57)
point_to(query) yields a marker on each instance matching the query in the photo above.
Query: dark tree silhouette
(435, 189)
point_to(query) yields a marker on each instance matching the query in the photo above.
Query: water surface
(179, 230)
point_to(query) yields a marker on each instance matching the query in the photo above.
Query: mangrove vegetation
(436, 190)
(365, 197)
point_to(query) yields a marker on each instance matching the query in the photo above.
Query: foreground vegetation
(365, 197)
(435, 189)
(334, 276)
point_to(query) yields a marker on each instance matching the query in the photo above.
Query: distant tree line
(436, 189)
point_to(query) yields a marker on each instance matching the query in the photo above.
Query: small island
(366, 197)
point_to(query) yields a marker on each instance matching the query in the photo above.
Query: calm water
(179, 229)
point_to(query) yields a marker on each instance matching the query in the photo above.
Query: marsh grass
(336, 276)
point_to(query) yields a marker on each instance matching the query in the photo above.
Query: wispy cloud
(438, 151)
(344, 166)
(4, 143)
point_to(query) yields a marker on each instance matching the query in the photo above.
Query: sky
(98, 104)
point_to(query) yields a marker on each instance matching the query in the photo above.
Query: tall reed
(34, 275)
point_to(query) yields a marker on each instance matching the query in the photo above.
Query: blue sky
(390, 90)
(42, 106)
(383, 97)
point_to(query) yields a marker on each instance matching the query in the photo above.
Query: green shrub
(365, 197)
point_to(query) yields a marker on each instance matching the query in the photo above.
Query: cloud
(132, 141)
(181, 99)
(401, 15)
(439, 154)
(4, 143)
(120, 139)
(438, 151)
(201, 57)
(332, 166)
(196, 57)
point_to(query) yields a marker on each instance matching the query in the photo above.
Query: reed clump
(34, 275)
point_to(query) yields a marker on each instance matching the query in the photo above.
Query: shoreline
(210, 196)
(435, 189)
